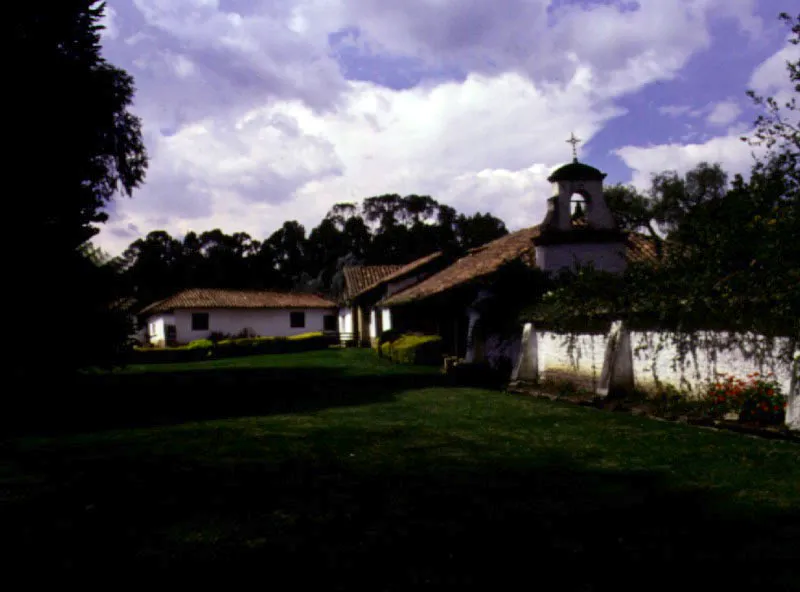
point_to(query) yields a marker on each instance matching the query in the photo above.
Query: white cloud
(771, 75)
(730, 151)
(724, 113)
(262, 126)
(625, 49)
(285, 161)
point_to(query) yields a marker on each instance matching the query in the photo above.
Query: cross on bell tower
(574, 141)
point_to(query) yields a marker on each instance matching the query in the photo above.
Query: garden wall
(656, 360)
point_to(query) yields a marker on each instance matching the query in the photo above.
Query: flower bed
(756, 400)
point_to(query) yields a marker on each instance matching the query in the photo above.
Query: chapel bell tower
(579, 228)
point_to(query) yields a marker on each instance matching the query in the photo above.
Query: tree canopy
(74, 146)
(386, 229)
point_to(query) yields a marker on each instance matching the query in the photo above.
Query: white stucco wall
(597, 211)
(386, 321)
(345, 324)
(605, 256)
(264, 322)
(373, 327)
(651, 361)
(585, 357)
(345, 320)
(156, 328)
(655, 359)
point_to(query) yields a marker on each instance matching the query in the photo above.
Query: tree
(78, 148)
(289, 247)
(778, 127)
(478, 229)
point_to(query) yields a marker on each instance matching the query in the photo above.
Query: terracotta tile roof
(358, 279)
(485, 260)
(208, 298)
(477, 263)
(401, 272)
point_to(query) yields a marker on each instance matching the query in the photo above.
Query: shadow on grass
(106, 401)
(553, 525)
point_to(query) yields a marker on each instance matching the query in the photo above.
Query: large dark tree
(73, 145)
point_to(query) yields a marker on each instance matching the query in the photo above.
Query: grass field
(337, 469)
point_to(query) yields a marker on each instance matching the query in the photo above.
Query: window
(199, 321)
(329, 323)
(297, 320)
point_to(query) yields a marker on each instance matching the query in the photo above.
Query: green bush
(200, 344)
(201, 349)
(414, 349)
(305, 336)
(387, 336)
(762, 402)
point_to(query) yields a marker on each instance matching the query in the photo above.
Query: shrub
(217, 336)
(303, 336)
(201, 349)
(763, 402)
(725, 396)
(248, 346)
(757, 399)
(200, 344)
(385, 337)
(414, 349)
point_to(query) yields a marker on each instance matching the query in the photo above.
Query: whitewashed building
(361, 318)
(197, 313)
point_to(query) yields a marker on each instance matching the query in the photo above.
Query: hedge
(202, 349)
(414, 348)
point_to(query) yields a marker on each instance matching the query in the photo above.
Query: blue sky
(260, 111)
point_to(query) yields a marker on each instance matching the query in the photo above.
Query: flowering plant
(725, 395)
(763, 401)
(757, 399)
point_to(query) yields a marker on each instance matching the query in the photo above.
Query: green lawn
(337, 469)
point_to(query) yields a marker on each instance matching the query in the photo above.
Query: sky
(256, 112)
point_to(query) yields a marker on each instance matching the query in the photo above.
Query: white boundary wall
(655, 360)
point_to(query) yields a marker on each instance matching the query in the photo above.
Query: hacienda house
(577, 229)
(196, 314)
(360, 320)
